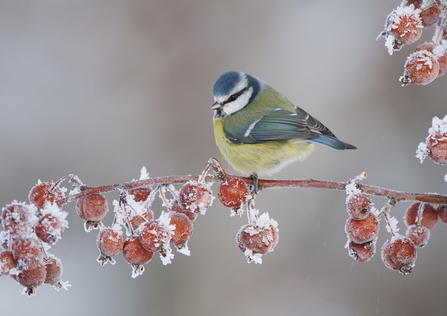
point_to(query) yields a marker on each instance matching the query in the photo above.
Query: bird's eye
(233, 98)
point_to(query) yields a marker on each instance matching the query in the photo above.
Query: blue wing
(279, 124)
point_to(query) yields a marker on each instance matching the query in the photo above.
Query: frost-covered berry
(45, 192)
(138, 218)
(92, 207)
(18, 218)
(54, 270)
(362, 252)
(429, 14)
(403, 26)
(435, 145)
(32, 278)
(7, 262)
(140, 194)
(136, 255)
(155, 234)
(399, 254)
(359, 206)
(421, 68)
(110, 242)
(177, 207)
(440, 52)
(233, 193)
(421, 214)
(50, 227)
(418, 234)
(258, 238)
(362, 231)
(196, 196)
(28, 252)
(183, 228)
(442, 213)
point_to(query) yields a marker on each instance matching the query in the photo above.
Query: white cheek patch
(241, 102)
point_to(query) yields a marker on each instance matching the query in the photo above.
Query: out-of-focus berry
(7, 262)
(425, 215)
(195, 196)
(54, 270)
(421, 68)
(110, 242)
(28, 252)
(359, 206)
(362, 252)
(418, 234)
(92, 207)
(399, 254)
(233, 193)
(45, 192)
(437, 144)
(442, 213)
(50, 228)
(140, 194)
(18, 219)
(32, 278)
(362, 231)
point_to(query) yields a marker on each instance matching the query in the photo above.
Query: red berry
(44, 192)
(362, 231)
(134, 253)
(257, 239)
(437, 144)
(140, 194)
(418, 234)
(403, 26)
(154, 235)
(359, 206)
(429, 14)
(54, 271)
(195, 196)
(421, 68)
(421, 214)
(183, 228)
(233, 193)
(50, 228)
(362, 252)
(399, 254)
(28, 252)
(92, 207)
(177, 207)
(32, 278)
(7, 262)
(442, 213)
(18, 219)
(136, 220)
(440, 54)
(110, 242)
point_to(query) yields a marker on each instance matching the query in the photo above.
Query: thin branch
(265, 184)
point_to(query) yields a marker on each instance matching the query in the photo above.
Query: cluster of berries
(435, 145)
(403, 26)
(398, 253)
(29, 232)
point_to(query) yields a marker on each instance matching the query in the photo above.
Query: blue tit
(258, 130)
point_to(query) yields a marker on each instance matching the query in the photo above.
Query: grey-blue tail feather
(332, 142)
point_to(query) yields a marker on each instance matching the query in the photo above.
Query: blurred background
(102, 88)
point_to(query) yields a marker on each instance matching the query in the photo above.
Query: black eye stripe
(234, 96)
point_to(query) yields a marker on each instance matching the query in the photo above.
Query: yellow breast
(263, 158)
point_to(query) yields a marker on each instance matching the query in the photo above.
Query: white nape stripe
(250, 128)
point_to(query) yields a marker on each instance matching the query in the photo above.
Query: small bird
(259, 131)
